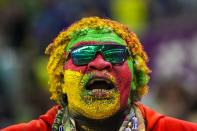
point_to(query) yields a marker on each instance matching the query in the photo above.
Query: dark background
(166, 28)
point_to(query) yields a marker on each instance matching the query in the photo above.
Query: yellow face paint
(81, 102)
(86, 128)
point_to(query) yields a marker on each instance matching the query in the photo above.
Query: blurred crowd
(166, 28)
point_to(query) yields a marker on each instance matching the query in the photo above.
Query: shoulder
(44, 122)
(158, 122)
(50, 115)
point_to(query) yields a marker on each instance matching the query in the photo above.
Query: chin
(94, 108)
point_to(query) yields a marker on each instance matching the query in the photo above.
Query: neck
(112, 123)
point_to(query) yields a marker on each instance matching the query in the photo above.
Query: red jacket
(155, 122)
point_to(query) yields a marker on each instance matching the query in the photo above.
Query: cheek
(69, 65)
(72, 81)
(124, 79)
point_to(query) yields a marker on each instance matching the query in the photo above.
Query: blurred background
(166, 28)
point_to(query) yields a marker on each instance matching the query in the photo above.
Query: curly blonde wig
(57, 50)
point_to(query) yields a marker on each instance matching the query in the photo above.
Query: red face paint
(121, 73)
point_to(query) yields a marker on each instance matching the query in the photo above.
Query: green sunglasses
(84, 54)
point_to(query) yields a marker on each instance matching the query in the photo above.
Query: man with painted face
(98, 72)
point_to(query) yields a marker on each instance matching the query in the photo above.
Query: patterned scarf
(133, 122)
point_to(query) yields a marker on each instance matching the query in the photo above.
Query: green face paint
(143, 78)
(133, 84)
(100, 35)
(130, 63)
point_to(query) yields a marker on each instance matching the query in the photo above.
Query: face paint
(97, 103)
(133, 85)
(90, 105)
(86, 128)
(101, 35)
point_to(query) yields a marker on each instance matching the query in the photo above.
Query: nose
(99, 64)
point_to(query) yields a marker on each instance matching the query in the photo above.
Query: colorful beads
(134, 124)
(58, 120)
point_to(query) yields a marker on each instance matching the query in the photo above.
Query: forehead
(97, 35)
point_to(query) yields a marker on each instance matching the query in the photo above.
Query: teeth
(99, 90)
(95, 90)
(103, 90)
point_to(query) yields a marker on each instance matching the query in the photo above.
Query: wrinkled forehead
(96, 35)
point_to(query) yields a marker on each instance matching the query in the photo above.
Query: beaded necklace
(63, 122)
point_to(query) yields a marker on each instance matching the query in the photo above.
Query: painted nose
(99, 64)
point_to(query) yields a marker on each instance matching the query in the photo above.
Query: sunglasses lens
(83, 55)
(115, 55)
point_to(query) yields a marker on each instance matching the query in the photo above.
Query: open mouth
(99, 87)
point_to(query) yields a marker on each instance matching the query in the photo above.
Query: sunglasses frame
(127, 53)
